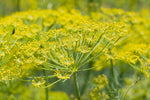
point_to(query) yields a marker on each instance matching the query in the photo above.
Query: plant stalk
(76, 85)
(112, 69)
(46, 89)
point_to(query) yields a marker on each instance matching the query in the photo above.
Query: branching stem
(46, 89)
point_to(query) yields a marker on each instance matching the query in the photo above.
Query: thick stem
(113, 81)
(46, 89)
(112, 69)
(76, 85)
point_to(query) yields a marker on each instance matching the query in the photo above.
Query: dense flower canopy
(63, 41)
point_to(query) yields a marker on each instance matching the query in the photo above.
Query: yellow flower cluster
(133, 49)
(64, 40)
(38, 82)
(62, 75)
(100, 83)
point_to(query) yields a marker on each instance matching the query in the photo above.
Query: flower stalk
(76, 85)
(46, 89)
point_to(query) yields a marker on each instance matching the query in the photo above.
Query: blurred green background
(8, 7)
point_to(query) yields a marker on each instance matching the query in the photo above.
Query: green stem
(46, 89)
(112, 69)
(113, 85)
(76, 85)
